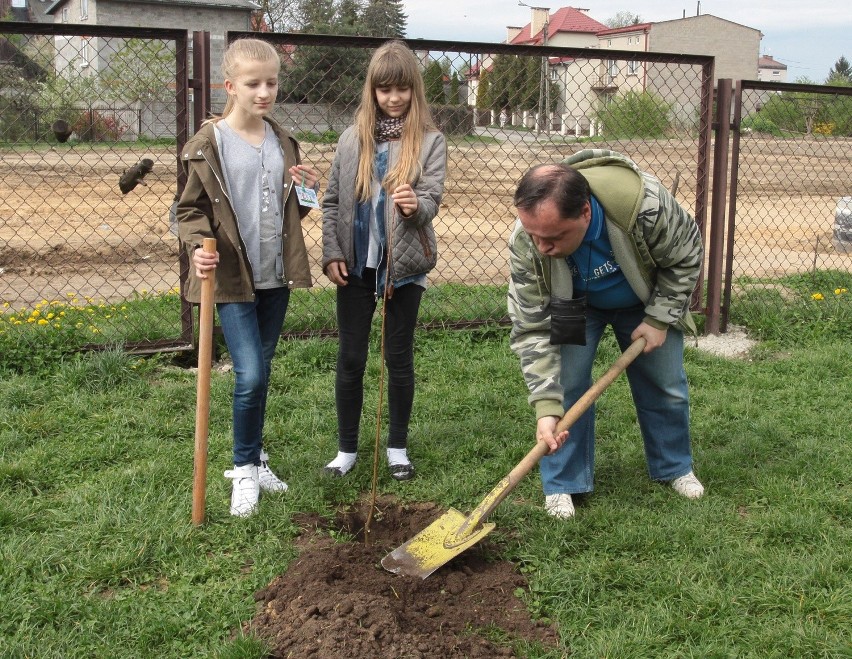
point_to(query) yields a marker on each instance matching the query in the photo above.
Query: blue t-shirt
(594, 270)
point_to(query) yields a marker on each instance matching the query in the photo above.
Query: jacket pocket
(429, 245)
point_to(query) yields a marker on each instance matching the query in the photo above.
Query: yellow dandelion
(5, 305)
(78, 325)
(124, 308)
(817, 296)
(839, 291)
(51, 316)
(31, 319)
(42, 321)
(94, 329)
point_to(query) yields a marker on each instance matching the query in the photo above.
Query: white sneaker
(688, 486)
(559, 505)
(269, 482)
(246, 490)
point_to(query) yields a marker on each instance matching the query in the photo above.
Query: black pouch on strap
(568, 321)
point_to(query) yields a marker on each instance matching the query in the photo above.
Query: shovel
(452, 533)
(202, 400)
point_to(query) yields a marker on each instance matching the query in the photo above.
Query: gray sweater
(414, 250)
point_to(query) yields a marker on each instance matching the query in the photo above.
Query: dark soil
(336, 600)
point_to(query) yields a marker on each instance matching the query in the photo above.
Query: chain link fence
(87, 176)
(503, 109)
(92, 122)
(790, 218)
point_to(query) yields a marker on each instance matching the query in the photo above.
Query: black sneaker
(402, 472)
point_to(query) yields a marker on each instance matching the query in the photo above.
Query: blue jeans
(658, 384)
(251, 331)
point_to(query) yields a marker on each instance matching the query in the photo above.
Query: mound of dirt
(335, 599)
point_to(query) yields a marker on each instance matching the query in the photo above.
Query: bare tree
(623, 19)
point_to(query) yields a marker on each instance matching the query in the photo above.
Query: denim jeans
(356, 303)
(658, 384)
(252, 330)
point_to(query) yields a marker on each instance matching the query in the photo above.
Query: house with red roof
(582, 84)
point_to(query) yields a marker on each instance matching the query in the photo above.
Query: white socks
(398, 456)
(343, 462)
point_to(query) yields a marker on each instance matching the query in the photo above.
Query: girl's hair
(239, 52)
(393, 64)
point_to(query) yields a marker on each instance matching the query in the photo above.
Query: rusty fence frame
(728, 128)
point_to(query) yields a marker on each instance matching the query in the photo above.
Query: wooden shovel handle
(202, 400)
(493, 499)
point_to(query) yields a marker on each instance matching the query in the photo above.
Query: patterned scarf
(388, 128)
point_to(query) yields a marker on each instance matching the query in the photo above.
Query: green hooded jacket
(655, 241)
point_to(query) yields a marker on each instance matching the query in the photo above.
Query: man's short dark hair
(568, 189)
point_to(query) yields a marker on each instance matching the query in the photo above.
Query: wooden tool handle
(493, 499)
(202, 401)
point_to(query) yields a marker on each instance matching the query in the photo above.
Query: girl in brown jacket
(241, 172)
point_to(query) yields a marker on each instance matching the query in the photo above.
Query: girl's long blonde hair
(237, 53)
(393, 64)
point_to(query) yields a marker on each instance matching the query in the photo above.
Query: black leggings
(356, 304)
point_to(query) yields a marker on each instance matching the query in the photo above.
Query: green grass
(98, 556)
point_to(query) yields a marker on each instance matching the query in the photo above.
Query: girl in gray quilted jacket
(384, 191)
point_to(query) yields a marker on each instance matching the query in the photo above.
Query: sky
(808, 37)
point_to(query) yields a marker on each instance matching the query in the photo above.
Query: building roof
(209, 4)
(637, 27)
(767, 62)
(566, 19)
(705, 16)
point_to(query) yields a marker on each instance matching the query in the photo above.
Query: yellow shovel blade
(434, 546)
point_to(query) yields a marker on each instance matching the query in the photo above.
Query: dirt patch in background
(335, 599)
(66, 227)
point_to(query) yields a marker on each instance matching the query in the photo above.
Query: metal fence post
(717, 204)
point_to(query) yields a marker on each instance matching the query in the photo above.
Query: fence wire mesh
(82, 115)
(503, 109)
(87, 177)
(791, 196)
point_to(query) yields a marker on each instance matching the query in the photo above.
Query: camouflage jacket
(655, 241)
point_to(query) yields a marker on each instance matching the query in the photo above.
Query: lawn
(98, 556)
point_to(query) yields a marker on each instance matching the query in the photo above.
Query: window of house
(85, 53)
(613, 68)
(65, 14)
(609, 42)
(629, 40)
(84, 9)
(19, 4)
(554, 74)
(776, 73)
(632, 68)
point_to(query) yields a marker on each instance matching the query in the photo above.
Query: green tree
(324, 74)
(482, 92)
(384, 18)
(841, 72)
(635, 115)
(433, 80)
(141, 70)
(515, 82)
(623, 19)
(454, 89)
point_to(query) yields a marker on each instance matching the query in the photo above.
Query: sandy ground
(66, 227)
